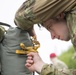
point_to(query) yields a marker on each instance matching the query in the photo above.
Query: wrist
(39, 67)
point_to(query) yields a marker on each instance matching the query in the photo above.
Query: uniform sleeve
(71, 22)
(37, 11)
(49, 69)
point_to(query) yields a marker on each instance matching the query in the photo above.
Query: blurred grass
(67, 58)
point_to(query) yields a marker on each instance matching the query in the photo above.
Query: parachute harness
(26, 50)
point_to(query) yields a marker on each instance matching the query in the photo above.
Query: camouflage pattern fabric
(24, 16)
(71, 22)
(50, 70)
(37, 11)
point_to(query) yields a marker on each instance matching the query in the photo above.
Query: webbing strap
(26, 50)
(5, 24)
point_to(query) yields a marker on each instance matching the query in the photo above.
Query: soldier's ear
(61, 16)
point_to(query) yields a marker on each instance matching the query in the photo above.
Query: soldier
(57, 16)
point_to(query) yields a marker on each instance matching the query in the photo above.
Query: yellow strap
(26, 50)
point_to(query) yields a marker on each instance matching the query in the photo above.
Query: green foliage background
(67, 58)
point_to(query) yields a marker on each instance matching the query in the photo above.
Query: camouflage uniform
(37, 11)
(71, 23)
(48, 69)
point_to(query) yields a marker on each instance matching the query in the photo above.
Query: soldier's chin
(67, 39)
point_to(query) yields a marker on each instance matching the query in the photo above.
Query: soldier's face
(58, 30)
